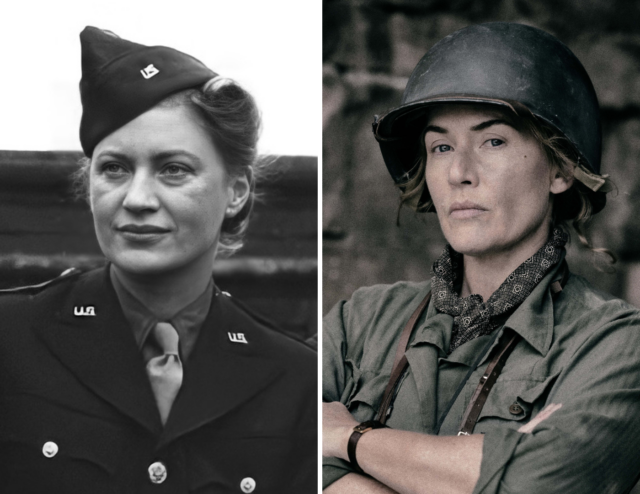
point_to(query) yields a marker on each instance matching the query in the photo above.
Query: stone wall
(370, 48)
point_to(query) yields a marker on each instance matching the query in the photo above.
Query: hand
(337, 426)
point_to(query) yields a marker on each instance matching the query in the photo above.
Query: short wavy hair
(232, 118)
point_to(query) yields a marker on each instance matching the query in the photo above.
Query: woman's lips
(142, 233)
(466, 210)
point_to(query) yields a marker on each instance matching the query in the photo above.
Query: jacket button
(515, 409)
(50, 449)
(247, 485)
(157, 472)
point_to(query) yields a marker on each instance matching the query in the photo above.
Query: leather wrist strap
(357, 433)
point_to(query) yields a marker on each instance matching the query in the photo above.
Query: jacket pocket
(242, 464)
(44, 440)
(514, 402)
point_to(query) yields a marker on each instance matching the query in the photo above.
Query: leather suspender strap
(463, 382)
(400, 362)
(509, 341)
(488, 379)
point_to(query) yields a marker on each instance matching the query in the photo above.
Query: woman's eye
(174, 171)
(495, 142)
(442, 148)
(113, 169)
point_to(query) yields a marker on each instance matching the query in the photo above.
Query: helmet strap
(597, 183)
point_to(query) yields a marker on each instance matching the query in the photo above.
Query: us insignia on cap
(149, 71)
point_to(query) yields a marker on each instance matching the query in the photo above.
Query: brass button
(247, 485)
(515, 409)
(157, 472)
(50, 449)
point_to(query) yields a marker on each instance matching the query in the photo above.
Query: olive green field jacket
(580, 349)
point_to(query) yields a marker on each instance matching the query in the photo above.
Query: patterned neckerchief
(472, 317)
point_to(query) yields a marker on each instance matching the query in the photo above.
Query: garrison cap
(121, 80)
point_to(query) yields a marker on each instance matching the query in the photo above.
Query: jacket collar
(533, 320)
(222, 373)
(101, 351)
(187, 321)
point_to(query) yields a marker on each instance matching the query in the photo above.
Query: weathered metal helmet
(503, 64)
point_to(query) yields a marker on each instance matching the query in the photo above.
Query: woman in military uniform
(504, 372)
(143, 376)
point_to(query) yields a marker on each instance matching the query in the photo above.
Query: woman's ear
(559, 182)
(86, 183)
(239, 190)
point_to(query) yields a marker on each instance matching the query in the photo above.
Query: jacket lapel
(100, 349)
(221, 374)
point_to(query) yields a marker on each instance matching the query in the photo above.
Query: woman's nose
(141, 193)
(463, 169)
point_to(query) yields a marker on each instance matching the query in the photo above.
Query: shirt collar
(187, 320)
(533, 319)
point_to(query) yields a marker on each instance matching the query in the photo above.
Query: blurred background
(271, 48)
(369, 51)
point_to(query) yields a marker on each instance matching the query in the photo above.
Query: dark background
(45, 230)
(370, 49)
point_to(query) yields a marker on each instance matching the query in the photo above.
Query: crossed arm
(400, 461)
(590, 442)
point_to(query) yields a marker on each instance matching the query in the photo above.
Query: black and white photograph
(159, 247)
(481, 259)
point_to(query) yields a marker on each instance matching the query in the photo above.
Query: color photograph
(481, 268)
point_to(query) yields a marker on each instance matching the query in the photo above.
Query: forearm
(410, 462)
(354, 483)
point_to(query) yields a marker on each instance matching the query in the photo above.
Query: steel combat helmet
(502, 64)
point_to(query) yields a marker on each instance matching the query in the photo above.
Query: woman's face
(159, 192)
(491, 184)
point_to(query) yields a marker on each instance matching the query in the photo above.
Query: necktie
(165, 371)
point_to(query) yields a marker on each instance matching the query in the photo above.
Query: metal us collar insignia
(89, 310)
(149, 71)
(237, 338)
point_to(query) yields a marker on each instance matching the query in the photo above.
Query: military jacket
(580, 350)
(77, 413)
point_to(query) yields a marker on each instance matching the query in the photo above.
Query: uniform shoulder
(580, 292)
(394, 298)
(21, 306)
(585, 318)
(9, 296)
(586, 309)
(401, 292)
(375, 313)
(32, 289)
